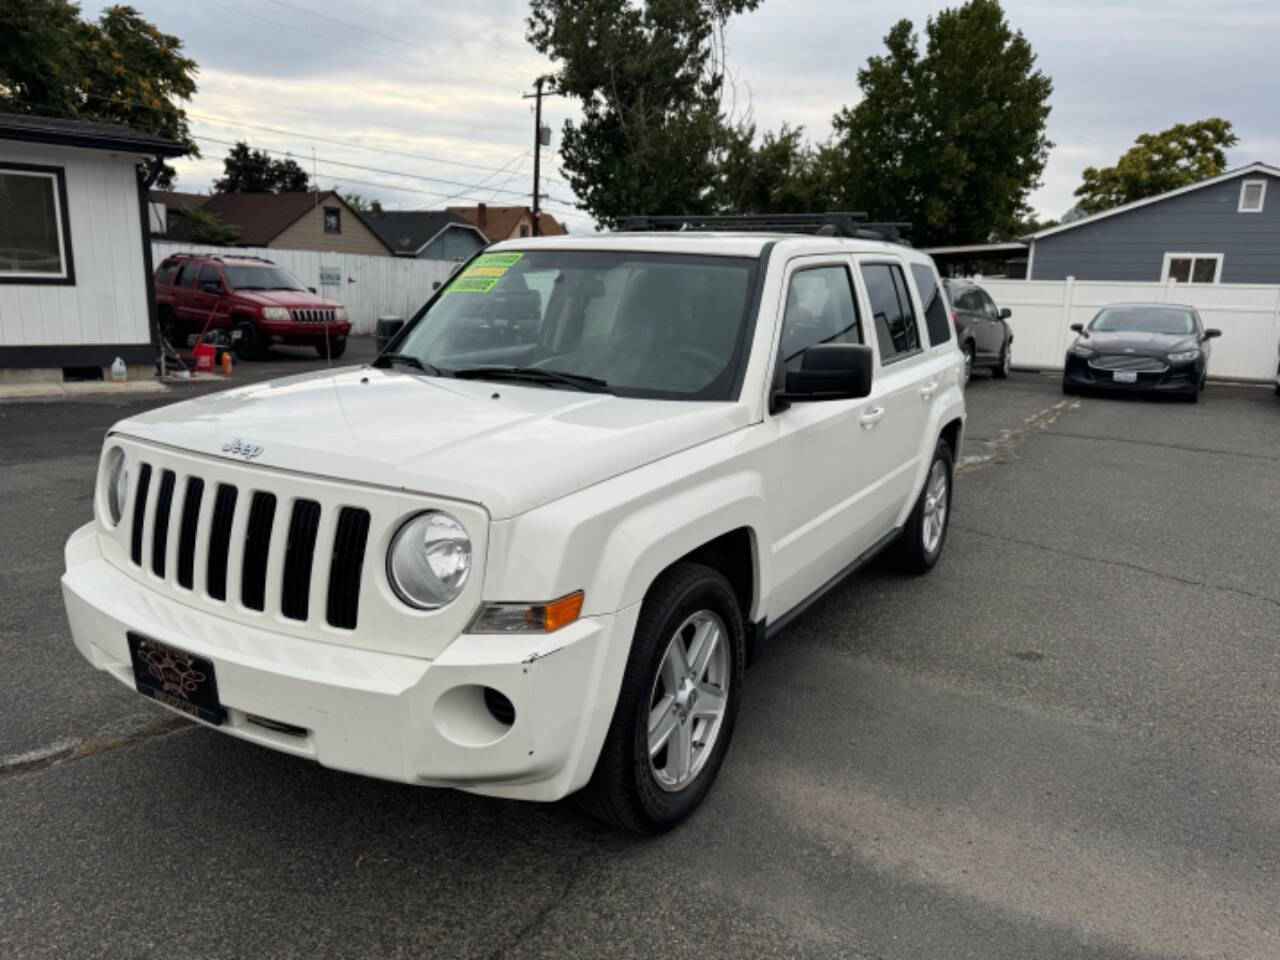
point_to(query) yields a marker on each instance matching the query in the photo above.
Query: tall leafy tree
(649, 77)
(951, 138)
(245, 170)
(780, 174)
(119, 69)
(1186, 153)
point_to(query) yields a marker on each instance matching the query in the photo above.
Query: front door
(828, 504)
(207, 296)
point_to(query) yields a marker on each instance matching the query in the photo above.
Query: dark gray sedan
(1144, 347)
(982, 328)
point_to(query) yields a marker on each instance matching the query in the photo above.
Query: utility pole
(541, 138)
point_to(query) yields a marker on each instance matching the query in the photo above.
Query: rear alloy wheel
(922, 538)
(1001, 371)
(677, 705)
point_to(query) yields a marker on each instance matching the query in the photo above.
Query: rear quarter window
(935, 306)
(166, 272)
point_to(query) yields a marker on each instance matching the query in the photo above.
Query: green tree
(356, 202)
(120, 69)
(649, 78)
(209, 228)
(1186, 153)
(245, 170)
(951, 139)
(781, 174)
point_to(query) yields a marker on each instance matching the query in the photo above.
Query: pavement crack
(70, 750)
(1000, 450)
(1123, 564)
(574, 872)
(1189, 448)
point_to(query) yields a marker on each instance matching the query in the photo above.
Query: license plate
(1125, 376)
(175, 678)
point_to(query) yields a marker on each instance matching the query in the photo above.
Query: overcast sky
(428, 94)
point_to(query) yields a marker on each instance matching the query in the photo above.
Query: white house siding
(108, 302)
(1043, 310)
(372, 287)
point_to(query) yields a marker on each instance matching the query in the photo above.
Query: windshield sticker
(496, 260)
(470, 284)
(485, 272)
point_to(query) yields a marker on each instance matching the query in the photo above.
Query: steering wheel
(710, 363)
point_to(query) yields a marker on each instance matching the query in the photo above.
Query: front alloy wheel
(925, 532)
(688, 701)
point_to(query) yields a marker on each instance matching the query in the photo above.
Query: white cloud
(403, 77)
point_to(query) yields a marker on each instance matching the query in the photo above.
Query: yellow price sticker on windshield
(465, 284)
(504, 260)
(485, 272)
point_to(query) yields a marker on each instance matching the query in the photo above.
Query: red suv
(260, 303)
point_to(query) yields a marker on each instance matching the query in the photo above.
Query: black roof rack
(818, 224)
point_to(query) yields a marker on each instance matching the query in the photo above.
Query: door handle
(871, 417)
(928, 390)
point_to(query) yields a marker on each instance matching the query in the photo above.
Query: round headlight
(429, 560)
(117, 485)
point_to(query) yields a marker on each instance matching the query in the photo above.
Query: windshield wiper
(535, 375)
(408, 359)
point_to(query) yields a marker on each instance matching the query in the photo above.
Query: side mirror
(831, 371)
(1005, 313)
(1212, 332)
(211, 286)
(1078, 327)
(385, 330)
(312, 289)
(435, 285)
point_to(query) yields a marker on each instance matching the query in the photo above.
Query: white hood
(507, 447)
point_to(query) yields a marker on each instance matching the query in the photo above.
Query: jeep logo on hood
(238, 448)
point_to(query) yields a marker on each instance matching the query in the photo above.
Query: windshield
(647, 325)
(1144, 320)
(260, 278)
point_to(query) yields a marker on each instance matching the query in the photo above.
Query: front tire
(677, 705)
(922, 538)
(250, 346)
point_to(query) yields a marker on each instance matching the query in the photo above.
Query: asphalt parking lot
(1064, 742)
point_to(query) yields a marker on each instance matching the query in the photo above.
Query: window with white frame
(1192, 267)
(1253, 194)
(33, 235)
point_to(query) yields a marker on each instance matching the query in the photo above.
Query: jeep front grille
(253, 544)
(313, 315)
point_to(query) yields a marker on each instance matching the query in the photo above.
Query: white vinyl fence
(371, 287)
(1043, 310)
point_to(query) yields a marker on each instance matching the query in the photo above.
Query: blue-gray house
(425, 234)
(1222, 230)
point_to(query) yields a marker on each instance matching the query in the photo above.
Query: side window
(186, 274)
(891, 310)
(988, 305)
(935, 308)
(209, 274)
(820, 309)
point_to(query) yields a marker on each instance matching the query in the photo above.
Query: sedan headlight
(429, 560)
(340, 315)
(1080, 350)
(276, 314)
(1182, 356)
(117, 485)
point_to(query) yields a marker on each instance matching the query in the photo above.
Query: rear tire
(250, 346)
(1001, 369)
(639, 788)
(922, 539)
(968, 362)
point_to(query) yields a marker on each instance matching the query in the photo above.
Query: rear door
(828, 502)
(184, 282)
(908, 378)
(993, 328)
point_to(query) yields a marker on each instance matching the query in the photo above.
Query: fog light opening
(499, 707)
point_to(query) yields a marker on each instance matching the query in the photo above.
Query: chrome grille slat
(313, 315)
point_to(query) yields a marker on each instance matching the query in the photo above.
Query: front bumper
(1178, 378)
(382, 715)
(295, 334)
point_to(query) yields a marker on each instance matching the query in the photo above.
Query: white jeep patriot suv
(531, 548)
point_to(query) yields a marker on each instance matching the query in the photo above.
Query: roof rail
(818, 224)
(218, 256)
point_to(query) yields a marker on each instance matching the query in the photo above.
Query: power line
(224, 121)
